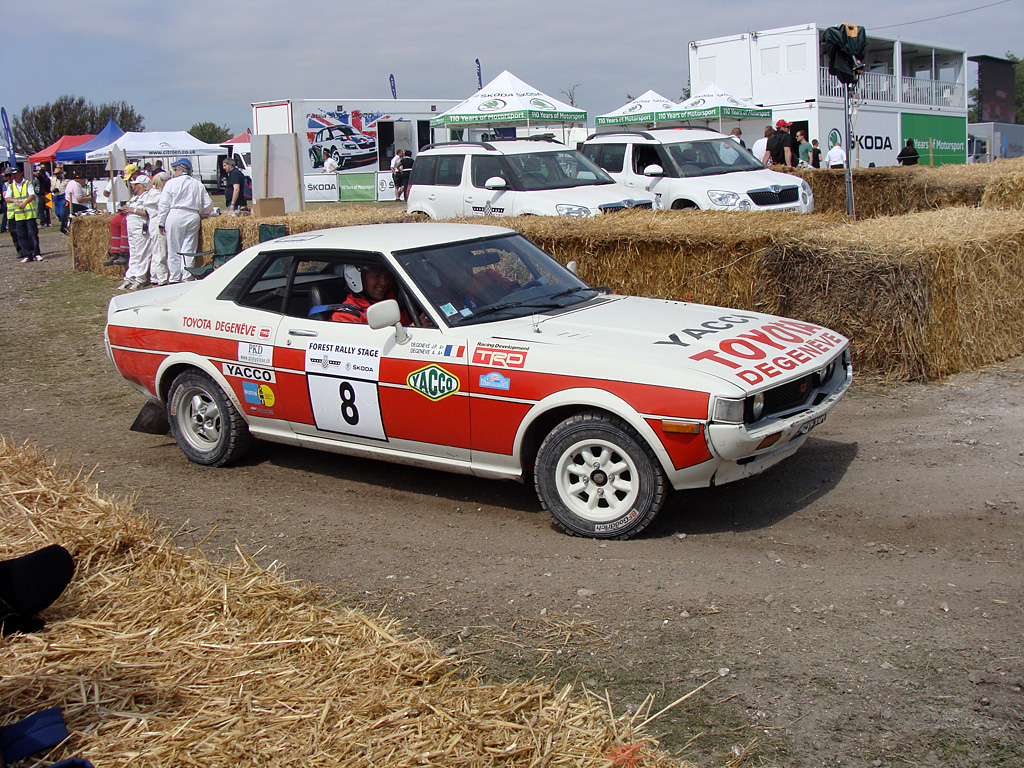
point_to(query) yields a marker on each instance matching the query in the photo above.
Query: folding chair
(272, 231)
(226, 243)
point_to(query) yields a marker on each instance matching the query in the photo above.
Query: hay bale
(1006, 189)
(161, 658)
(920, 296)
(89, 243)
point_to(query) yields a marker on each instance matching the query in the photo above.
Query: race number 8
(349, 412)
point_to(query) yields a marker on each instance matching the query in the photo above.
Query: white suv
(512, 178)
(696, 168)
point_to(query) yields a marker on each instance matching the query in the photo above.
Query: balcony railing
(877, 87)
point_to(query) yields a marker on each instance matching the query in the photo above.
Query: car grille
(625, 205)
(774, 195)
(789, 395)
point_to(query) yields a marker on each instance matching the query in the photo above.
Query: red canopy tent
(64, 142)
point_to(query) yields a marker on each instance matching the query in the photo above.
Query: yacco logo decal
(513, 357)
(258, 394)
(541, 104)
(249, 372)
(494, 380)
(492, 105)
(433, 382)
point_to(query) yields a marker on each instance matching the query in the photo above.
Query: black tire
(622, 490)
(205, 424)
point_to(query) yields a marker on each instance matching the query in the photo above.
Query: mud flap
(152, 419)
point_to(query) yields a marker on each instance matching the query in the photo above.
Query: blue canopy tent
(107, 136)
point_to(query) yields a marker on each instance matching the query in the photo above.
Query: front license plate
(807, 427)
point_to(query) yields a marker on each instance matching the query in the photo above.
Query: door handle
(302, 332)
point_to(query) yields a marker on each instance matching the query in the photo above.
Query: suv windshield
(559, 169)
(709, 157)
(493, 279)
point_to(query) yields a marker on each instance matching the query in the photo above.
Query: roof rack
(489, 144)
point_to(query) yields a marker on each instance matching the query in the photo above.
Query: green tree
(210, 132)
(38, 127)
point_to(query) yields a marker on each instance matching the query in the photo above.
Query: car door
(442, 194)
(480, 201)
(369, 389)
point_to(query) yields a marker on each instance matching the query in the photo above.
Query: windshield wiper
(577, 289)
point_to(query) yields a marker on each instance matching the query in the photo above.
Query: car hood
(592, 196)
(751, 350)
(741, 181)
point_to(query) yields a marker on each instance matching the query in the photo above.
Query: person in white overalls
(139, 247)
(183, 203)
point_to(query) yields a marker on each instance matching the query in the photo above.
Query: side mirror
(385, 313)
(571, 266)
(654, 170)
(495, 182)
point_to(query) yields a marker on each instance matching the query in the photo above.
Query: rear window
(611, 157)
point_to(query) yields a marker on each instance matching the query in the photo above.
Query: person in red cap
(780, 146)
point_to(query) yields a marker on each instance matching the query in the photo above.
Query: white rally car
(486, 357)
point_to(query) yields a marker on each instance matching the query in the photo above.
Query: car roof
(385, 237)
(506, 147)
(658, 135)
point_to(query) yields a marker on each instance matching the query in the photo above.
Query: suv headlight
(722, 198)
(573, 211)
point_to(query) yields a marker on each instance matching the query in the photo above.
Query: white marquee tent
(156, 144)
(715, 103)
(507, 100)
(642, 109)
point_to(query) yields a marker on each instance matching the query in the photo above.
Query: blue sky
(179, 62)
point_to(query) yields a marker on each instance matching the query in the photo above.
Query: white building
(909, 90)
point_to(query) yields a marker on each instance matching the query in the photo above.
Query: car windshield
(492, 279)
(710, 157)
(559, 169)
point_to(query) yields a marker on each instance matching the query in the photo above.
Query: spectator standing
(76, 200)
(43, 188)
(815, 154)
(183, 202)
(9, 222)
(396, 172)
(120, 250)
(158, 273)
(737, 134)
(761, 145)
(21, 200)
(234, 187)
(803, 149)
(908, 155)
(57, 192)
(780, 146)
(406, 174)
(140, 250)
(835, 157)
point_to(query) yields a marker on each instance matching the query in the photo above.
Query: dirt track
(865, 596)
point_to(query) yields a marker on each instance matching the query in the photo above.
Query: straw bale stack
(89, 243)
(920, 296)
(162, 658)
(711, 257)
(1006, 189)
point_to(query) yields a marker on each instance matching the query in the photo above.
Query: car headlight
(729, 410)
(722, 198)
(756, 406)
(573, 211)
(805, 192)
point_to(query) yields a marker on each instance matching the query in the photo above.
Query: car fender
(192, 360)
(585, 398)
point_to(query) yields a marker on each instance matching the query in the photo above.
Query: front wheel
(205, 424)
(597, 477)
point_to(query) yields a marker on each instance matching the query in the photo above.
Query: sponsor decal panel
(224, 326)
(343, 360)
(494, 380)
(760, 353)
(438, 350)
(258, 394)
(257, 354)
(433, 382)
(249, 372)
(496, 355)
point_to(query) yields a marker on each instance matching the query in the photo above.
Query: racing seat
(226, 244)
(325, 297)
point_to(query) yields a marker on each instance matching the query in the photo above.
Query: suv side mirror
(654, 170)
(495, 182)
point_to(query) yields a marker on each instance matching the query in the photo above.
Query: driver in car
(463, 289)
(369, 285)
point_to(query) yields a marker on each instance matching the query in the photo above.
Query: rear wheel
(205, 424)
(597, 477)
